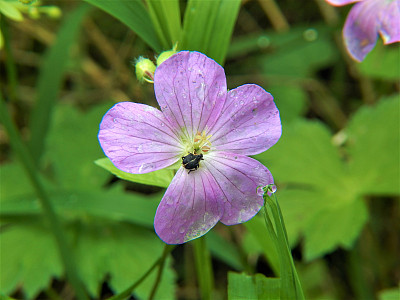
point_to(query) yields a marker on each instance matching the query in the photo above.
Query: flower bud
(145, 68)
(164, 56)
(53, 12)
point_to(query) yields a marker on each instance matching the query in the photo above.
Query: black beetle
(191, 161)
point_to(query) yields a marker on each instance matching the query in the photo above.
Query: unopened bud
(145, 68)
(53, 12)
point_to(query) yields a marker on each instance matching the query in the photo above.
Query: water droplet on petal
(260, 191)
(182, 230)
(169, 200)
(114, 120)
(241, 102)
(162, 124)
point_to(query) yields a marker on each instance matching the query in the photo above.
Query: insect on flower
(191, 161)
(206, 133)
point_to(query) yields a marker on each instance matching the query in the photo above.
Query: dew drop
(182, 230)
(260, 191)
(114, 120)
(241, 102)
(162, 124)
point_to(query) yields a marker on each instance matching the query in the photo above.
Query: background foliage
(336, 165)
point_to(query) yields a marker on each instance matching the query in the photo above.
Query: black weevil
(191, 161)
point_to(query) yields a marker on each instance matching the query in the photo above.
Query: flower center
(201, 143)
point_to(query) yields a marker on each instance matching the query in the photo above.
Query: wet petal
(249, 122)
(360, 31)
(341, 2)
(390, 22)
(190, 207)
(238, 177)
(138, 139)
(191, 90)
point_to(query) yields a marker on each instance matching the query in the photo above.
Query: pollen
(202, 143)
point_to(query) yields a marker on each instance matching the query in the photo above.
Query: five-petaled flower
(204, 130)
(365, 20)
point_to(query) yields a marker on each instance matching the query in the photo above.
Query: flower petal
(138, 139)
(191, 90)
(238, 177)
(341, 2)
(360, 31)
(390, 22)
(190, 207)
(249, 122)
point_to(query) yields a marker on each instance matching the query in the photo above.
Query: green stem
(160, 270)
(204, 270)
(125, 294)
(48, 210)
(290, 282)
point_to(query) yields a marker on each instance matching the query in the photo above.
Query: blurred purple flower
(366, 20)
(204, 131)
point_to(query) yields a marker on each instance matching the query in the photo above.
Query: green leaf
(333, 227)
(134, 15)
(23, 247)
(124, 253)
(390, 294)
(118, 252)
(382, 62)
(10, 11)
(72, 146)
(112, 204)
(257, 231)
(322, 192)
(50, 79)
(161, 178)
(242, 286)
(373, 141)
(290, 100)
(208, 27)
(166, 17)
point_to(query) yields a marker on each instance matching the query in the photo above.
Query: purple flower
(205, 132)
(365, 20)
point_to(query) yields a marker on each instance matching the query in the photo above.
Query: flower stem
(290, 282)
(125, 294)
(167, 249)
(30, 168)
(204, 270)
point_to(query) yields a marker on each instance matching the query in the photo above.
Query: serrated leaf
(242, 287)
(161, 178)
(326, 230)
(70, 134)
(112, 204)
(321, 188)
(373, 142)
(126, 252)
(23, 247)
(134, 15)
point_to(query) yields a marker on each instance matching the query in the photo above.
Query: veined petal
(138, 139)
(191, 90)
(341, 2)
(360, 31)
(249, 122)
(238, 177)
(389, 17)
(190, 207)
